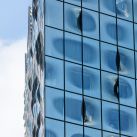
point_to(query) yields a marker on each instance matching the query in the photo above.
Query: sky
(13, 43)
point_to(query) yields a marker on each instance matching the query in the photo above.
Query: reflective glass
(90, 24)
(135, 10)
(76, 2)
(73, 77)
(73, 108)
(54, 128)
(108, 28)
(54, 73)
(124, 29)
(128, 121)
(91, 79)
(89, 132)
(71, 18)
(54, 42)
(91, 55)
(135, 32)
(93, 112)
(108, 7)
(74, 130)
(90, 4)
(54, 17)
(54, 103)
(124, 9)
(108, 134)
(73, 47)
(110, 117)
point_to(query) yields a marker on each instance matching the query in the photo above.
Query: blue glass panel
(107, 134)
(54, 128)
(93, 111)
(91, 82)
(124, 29)
(54, 73)
(108, 7)
(108, 29)
(110, 117)
(128, 121)
(54, 103)
(54, 42)
(91, 53)
(76, 2)
(90, 23)
(124, 9)
(89, 132)
(127, 91)
(135, 32)
(73, 108)
(73, 48)
(135, 10)
(90, 4)
(73, 81)
(54, 17)
(74, 130)
(71, 18)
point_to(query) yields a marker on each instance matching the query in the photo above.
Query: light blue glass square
(90, 4)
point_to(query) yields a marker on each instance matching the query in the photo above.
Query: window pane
(90, 24)
(54, 73)
(73, 108)
(73, 47)
(90, 4)
(124, 29)
(54, 101)
(135, 32)
(54, 42)
(128, 121)
(107, 134)
(54, 17)
(54, 128)
(76, 2)
(89, 132)
(91, 53)
(73, 78)
(91, 82)
(108, 29)
(135, 10)
(110, 117)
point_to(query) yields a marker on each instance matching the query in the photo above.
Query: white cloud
(12, 68)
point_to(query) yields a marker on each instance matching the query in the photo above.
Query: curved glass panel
(108, 29)
(124, 29)
(89, 132)
(108, 6)
(73, 47)
(54, 73)
(91, 82)
(54, 103)
(54, 17)
(54, 42)
(128, 121)
(90, 4)
(54, 128)
(91, 53)
(93, 111)
(74, 130)
(107, 134)
(110, 117)
(73, 79)
(73, 108)
(90, 24)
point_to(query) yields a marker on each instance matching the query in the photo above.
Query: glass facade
(90, 68)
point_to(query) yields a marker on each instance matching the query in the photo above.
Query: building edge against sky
(81, 69)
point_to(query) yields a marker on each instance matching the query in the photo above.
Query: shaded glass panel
(90, 24)
(54, 42)
(73, 78)
(107, 134)
(54, 103)
(54, 17)
(54, 131)
(108, 28)
(54, 73)
(110, 117)
(90, 4)
(73, 47)
(73, 108)
(124, 29)
(91, 53)
(135, 10)
(91, 82)
(89, 132)
(128, 121)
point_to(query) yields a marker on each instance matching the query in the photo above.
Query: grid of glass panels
(90, 68)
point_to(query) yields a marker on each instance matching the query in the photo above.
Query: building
(81, 65)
